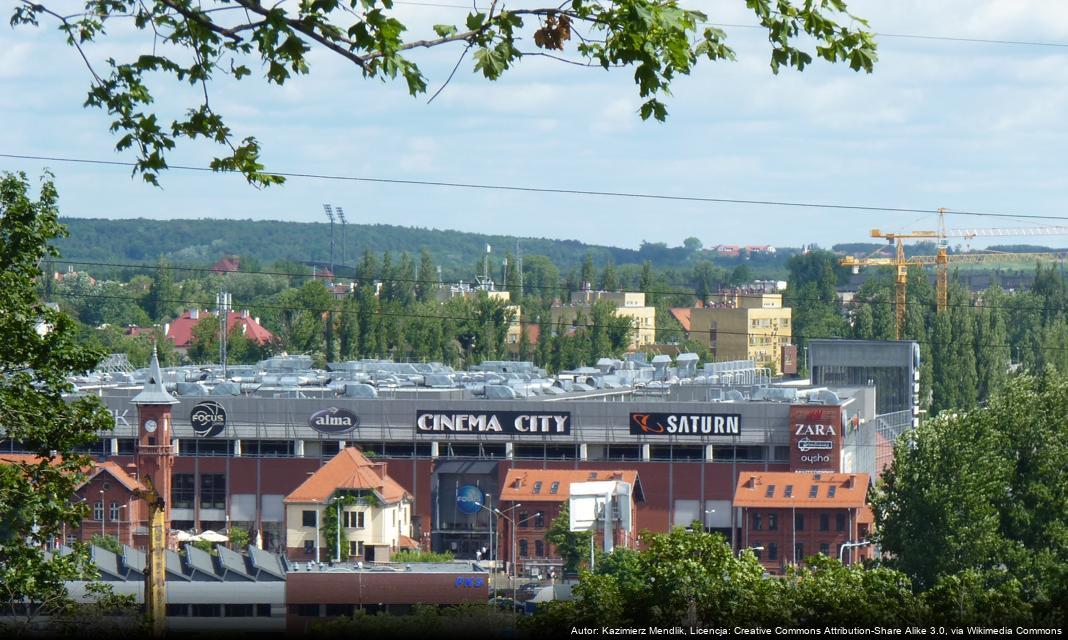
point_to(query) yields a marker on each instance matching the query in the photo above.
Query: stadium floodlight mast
(330, 214)
(344, 249)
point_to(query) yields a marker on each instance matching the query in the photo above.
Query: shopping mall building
(241, 446)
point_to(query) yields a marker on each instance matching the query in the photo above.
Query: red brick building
(180, 331)
(109, 492)
(533, 498)
(789, 516)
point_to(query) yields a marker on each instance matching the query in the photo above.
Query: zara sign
(815, 438)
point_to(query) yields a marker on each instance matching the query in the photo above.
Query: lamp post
(118, 521)
(708, 512)
(512, 524)
(493, 549)
(793, 529)
(849, 545)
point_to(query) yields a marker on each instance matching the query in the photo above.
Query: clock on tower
(154, 456)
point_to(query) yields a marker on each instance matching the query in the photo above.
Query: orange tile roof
(851, 489)
(519, 484)
(682, 314)
(404, 542)
(349, 469)
(109, 467)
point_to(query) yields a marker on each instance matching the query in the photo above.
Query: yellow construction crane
(156, 559)
(941, 259)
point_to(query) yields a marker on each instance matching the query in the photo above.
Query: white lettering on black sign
(535, 422)
(685, 424)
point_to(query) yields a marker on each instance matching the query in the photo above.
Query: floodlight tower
(344, 245)
(330, 214)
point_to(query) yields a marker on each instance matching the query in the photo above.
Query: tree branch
(68, 28)
(296, 25)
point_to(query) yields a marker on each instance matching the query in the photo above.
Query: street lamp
(708, 512)
(512, 524)
(493, 548)
(849, 545)
(118, 521)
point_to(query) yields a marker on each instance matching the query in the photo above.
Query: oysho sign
(815, 438)
(685, 424)
(208, 419)
(510, 422)
(333, 421)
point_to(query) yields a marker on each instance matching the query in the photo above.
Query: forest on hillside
(201, 242)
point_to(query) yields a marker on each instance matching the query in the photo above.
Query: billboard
(551, 423)
(685, 424)
(815, 438)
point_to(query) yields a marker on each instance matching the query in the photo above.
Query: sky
(961, 125)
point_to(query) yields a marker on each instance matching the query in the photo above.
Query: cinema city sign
(490, 422)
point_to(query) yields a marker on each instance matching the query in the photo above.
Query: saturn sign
(333, 421)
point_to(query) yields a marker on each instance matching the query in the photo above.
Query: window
(773, 522)
(98, 510)
(554, 487)
(799, 552)
(539, 520)
(177, 610)
(789, 491)
(183, 490)
(522, 521)
(356, 549)
(839, 522)
(799, 521)
(825, 522)
(825, 548)
(773, 551)
(354, 519)
(113, 512)
(308, 518)
(334, 610)
(309, 547)
(539, 548)
(813, 491)
(831, 490)
(213, 491)
(308, 610)
(523, 548)
(770, 491)
(263, 610)
(757, 524)
(206, 610)
(237, 610)
(537, 487)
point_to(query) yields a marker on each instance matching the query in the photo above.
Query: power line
(562, 191)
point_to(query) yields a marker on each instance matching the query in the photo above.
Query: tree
(658, 38)
(572, 546)
(428, 277)
(162, 295)
(239, 538)
(35, 365)
(984, 490)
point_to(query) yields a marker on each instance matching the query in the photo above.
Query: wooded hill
(200, 241)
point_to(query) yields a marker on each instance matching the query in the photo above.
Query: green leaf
(444, 30)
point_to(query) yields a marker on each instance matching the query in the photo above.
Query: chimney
(131, 469)
(381, 469)
(852, 481)
(244, 314)
(194, 314)
(751, 484)
(256, 320)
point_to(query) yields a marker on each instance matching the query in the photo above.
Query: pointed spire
(154, 392)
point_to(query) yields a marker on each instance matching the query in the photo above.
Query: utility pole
(344, 249)
(222, 305)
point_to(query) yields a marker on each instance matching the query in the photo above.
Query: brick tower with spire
(155, 456)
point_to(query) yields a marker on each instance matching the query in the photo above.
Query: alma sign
(333, 421)
(815, 438)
